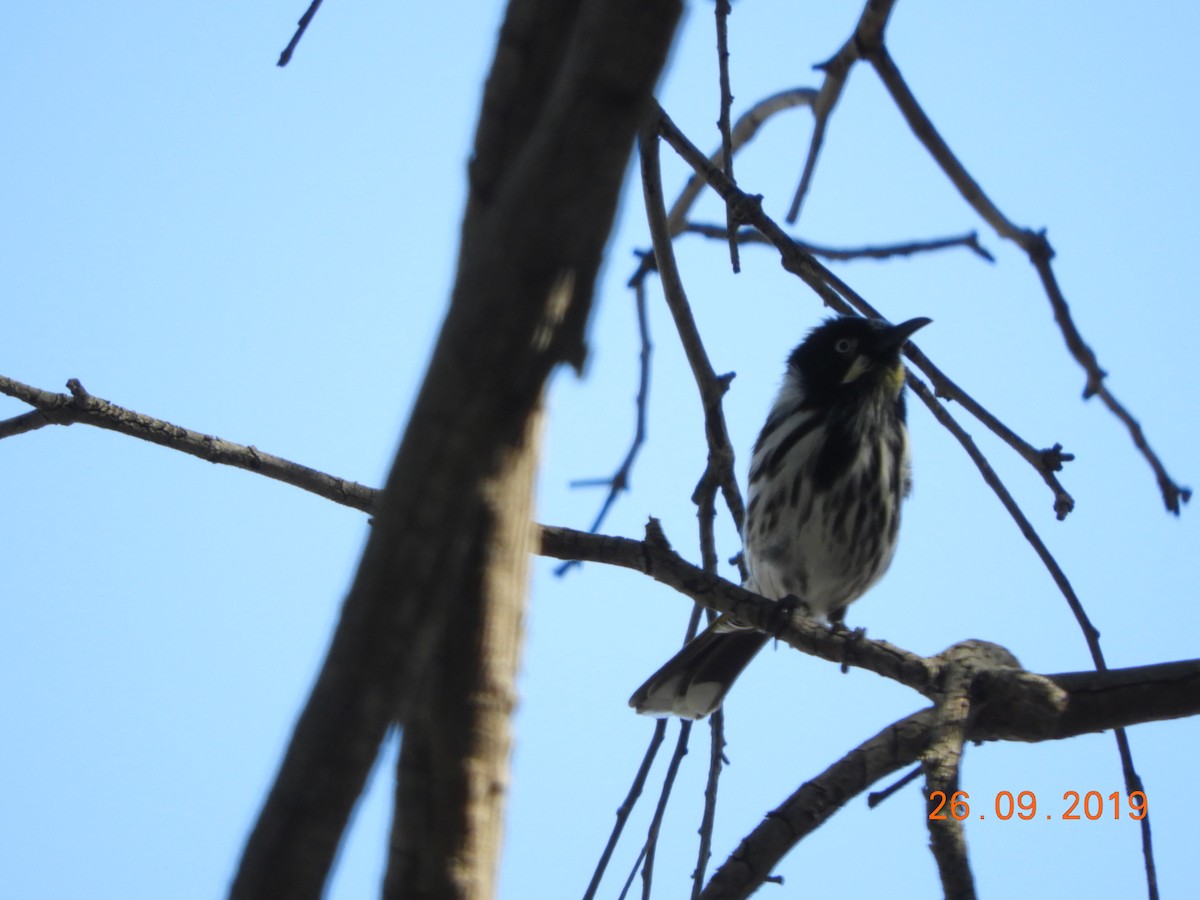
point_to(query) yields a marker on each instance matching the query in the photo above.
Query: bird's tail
(694, 681)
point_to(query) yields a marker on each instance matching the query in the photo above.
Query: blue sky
(265, 254)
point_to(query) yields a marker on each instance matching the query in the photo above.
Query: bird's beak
(896, 336)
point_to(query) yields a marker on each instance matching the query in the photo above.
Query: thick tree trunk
(429, 633)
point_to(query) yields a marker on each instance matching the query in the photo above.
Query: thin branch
(836, 294)
(1133, 782)
(619, 482)
(1036, 247)
(1046, 462)
(660, 810)
(286, 56)
(1090, 633)
(626, 807)
(84, 408)
(718, 472)
(869, 28)
(722, 10)
(969, 240)
(744, 131)
(705, 499)
(876, 797)
(1173, 494)
(813, 803)
(712, 387)
(716, 761)
(637, 864)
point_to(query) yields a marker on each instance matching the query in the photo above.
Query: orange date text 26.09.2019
(1089, 805)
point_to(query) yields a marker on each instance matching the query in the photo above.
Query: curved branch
(1037, 248)
(1002, 693)
(869, 29)
(814, 802)
(744, 131)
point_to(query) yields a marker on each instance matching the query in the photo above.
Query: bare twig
(716, 761)
(1046, 462)
(712, 387)
(1036, 247)
(286, 56)
(718, 473)
(722, 10)
(835, 293)
(882, 251)
(626, 807)
(1173, 494)
(893, 748)
(80, 406)
(744, 131)
(619, 482)
(837, 69)
(660, 810)
(1090, 634)
(876, 797)
(1133, 782)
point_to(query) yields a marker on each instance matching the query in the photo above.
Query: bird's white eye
(845, 345)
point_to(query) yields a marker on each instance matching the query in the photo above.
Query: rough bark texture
(429, 632)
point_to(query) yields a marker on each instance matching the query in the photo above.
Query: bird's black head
(852, 356)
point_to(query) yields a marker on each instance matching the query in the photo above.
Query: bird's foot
(851, 639)
(785, 608)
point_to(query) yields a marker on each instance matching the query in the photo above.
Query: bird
(827, 476)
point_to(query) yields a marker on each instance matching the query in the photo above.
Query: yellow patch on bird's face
(893, 376)
(860, 365)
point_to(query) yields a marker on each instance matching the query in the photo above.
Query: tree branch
(1022, 706)
(813, 803)
(443, 571)
(1037, 248)
(870, 27)
(1012, 705)
(880, 251)
(302, 26)
(80, 406)
(838, 295)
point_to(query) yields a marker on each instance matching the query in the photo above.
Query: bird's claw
(851, 639)
(785, 608)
